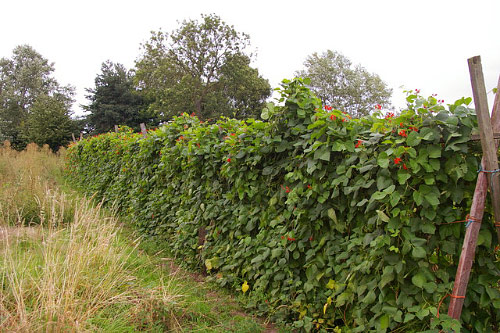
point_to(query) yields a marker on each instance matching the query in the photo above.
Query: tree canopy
(114, 100)
(343, 86)
(25, 78)
(201, 67)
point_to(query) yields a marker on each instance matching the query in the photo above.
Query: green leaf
(418, 252)
(403, 176)
(382, 216)
(267, 170)
(383, 160)
(323, 154)
(419, 279)
(332, 215)
(265, 114)
(384, 322)
(434, 151)
(413, 139)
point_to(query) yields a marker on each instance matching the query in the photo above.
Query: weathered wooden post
(489, 166)
(73, 136)
(116, 128)
(81, 136)
(143, 130)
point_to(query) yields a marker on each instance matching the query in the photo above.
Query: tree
(49, 122)
(337, 83)
(114, 100)
(23, 79)
(202, 67)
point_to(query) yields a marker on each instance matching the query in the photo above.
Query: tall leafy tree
(349, 88)
(201, 67)
(49, 122)
(114, 100)
(24, 78)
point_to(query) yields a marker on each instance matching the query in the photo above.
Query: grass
(67, 264)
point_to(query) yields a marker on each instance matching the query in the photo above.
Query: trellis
(487, 178)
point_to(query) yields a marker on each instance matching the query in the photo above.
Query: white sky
(416, 44)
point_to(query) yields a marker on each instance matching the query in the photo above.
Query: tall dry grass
(62, 262)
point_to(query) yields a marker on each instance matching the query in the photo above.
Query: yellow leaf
(324, 308)
(208, 264)
(245, 287)
(330, 284)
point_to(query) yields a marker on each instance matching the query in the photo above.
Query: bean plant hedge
(334, 223)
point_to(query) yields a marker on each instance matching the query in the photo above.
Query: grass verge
(67, 264)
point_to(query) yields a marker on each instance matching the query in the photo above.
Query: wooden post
(143, 130)
(495, 122)
(116, 128)
(81, 136)
(73, 135)
(489, 162)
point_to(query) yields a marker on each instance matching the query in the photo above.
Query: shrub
(332, 222)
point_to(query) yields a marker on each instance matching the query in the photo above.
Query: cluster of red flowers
(286, 188)
(398, 160)
(180, 138)
(228, 160)
(333, 117)
(378, 107)
(389, 115)
(328, 108)
(403, 133)
(359, 144)
(309, 186)
(288, 238)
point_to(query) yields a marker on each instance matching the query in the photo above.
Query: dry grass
(62, 262)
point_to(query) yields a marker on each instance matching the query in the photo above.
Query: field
(68, 264)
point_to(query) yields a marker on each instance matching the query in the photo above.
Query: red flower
(309, 186)
(287, 189)
(401, 125)
(417, 91)
(291, 239)
(311, 238)
(403, 133)
(332, 117)
(397, 160)
(192, 114)
(229, 160)
(378, 107)
(233, 134)
(343, 119)
(282, 237)
(198, 145)
(328, 108)
(404, 166)
(389, 115)
(359, 144)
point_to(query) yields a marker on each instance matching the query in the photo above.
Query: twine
(468, 220)
(442, 299)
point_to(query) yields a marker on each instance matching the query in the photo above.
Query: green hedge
(335, 223)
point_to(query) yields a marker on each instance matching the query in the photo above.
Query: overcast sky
(411, 44)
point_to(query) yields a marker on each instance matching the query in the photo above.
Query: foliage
(202, 66)
(49, 123)
(114, 100)
(337, 83)
(331, 222)
(23, 79)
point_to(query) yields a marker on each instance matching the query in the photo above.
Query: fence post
(143, 130)
(489, 163)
